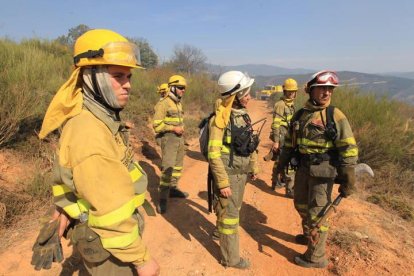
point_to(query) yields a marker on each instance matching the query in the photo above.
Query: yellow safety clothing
(95, 174)
(320, 159)
(111, 49)
(219, 146)
(313, 119)
(235, 177)
(66, 103)
(168, 114)
(282, 114)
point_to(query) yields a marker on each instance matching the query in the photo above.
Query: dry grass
(351, 247)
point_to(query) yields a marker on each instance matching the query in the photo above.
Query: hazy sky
(358, 35)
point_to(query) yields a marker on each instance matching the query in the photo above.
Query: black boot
(301, 261)
(175, 192)
(216, 234)
(301, 239)
(289, 193)
(162, 206)
(277, 185)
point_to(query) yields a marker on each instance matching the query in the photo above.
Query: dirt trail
(180, 239)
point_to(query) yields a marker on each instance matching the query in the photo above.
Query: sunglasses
(180, 87)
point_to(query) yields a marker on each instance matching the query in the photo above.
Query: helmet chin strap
(237, 104)
(174, 91)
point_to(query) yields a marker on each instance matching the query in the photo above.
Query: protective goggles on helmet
(324, 78)
(114, 53)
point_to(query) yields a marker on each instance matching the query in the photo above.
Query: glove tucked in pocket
(89, 244)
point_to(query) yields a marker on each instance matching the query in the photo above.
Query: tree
(73, 34)
(148, 57)
(188, 59)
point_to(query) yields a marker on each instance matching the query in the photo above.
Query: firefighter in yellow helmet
(231, 164)
(168, 125)
(163, 90)
(282, 114)
(321, 145)
(98, 186)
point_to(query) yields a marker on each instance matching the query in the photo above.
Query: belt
(317, 158)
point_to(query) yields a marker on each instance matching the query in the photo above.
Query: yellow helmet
(105, 47)
(177, 80)
(290, 85)
(162, 88)
(279, 88)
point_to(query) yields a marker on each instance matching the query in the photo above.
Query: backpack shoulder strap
(331, 130)
(297, 115)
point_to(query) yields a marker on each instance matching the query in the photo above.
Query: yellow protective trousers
(310, 197)
(172, 150)
(227, 211)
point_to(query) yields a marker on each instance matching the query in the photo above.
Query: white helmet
(323, 78)
(232, 82)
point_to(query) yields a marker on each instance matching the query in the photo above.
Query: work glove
(346, 179)
(47, 248)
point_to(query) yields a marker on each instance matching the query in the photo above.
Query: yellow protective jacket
(282, 114)
(219, 151)
(95, 174)
(168, 114)
(310, 137)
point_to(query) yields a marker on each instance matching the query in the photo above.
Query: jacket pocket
(89, 244)
(324, 169)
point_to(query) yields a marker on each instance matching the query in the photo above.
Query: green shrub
(30, 74)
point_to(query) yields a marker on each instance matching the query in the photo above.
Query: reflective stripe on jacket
(96, 174)
(168, 114)
(282, 114)
(219, 150)
(312, 139)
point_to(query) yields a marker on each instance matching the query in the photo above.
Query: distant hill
(397, 85)
(258, 69)
(408, 75)
(397, 88)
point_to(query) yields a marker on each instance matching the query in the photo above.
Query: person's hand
(253, 176)
(150, 268)
(226, 192)
(64, 221)
(346, 179)
(275, 147)
(129, 124)
(178, 130)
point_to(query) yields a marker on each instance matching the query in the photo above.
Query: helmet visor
(122, 53)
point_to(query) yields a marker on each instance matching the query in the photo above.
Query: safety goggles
(181, 87)
(119, 53)
(327, 77)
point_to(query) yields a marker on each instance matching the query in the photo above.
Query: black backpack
(204, 134)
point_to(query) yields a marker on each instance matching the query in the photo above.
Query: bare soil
(364, 239)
